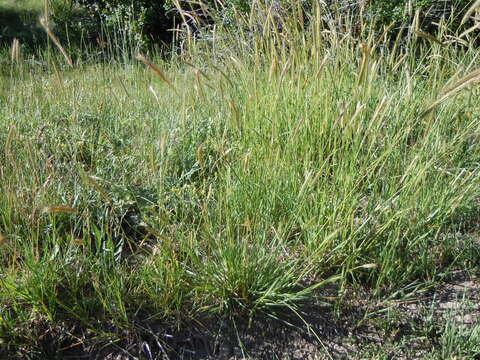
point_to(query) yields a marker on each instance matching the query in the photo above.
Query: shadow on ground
(409, 328)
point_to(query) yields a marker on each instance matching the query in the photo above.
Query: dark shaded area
(158, 17)
(23, 25)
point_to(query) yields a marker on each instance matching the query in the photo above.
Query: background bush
(385, 12)
(147, 22)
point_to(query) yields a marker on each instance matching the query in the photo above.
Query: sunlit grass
(260, 171)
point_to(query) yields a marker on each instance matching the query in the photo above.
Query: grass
(444, 324)
(258, 173)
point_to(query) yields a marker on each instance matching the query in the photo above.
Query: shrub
(148, 21)
(142, 22)
(401, 12)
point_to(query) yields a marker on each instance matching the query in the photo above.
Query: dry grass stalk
(46, 11)
(152, 90)
(16, 53)
(155, 69)
(470, 79)
(92, 181)
(470, 30)
(366, 54)
(429, 37)
(201, 156)
(52, 36)
(475, 6)
(59, 209)
(203, 73)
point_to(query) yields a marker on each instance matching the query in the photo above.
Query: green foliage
(401, 12)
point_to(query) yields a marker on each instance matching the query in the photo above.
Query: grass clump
(233, 180)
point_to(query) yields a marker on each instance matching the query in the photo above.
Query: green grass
(271, 168)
